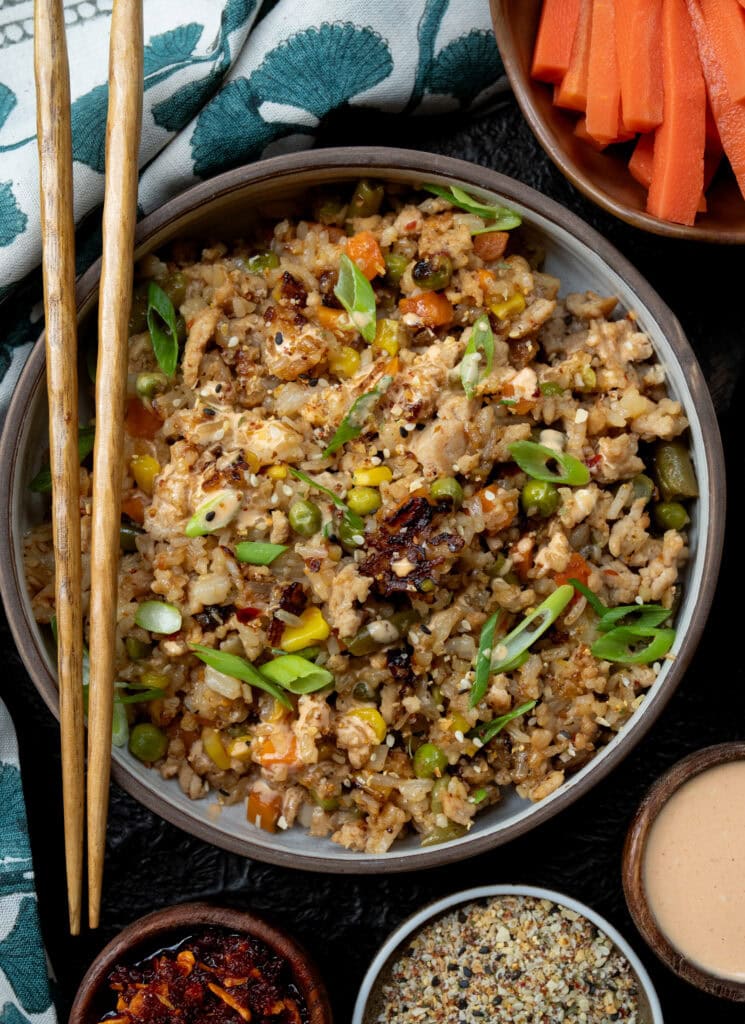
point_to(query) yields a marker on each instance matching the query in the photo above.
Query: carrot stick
(640, 164)
(678, 162)
(725, 21)
(729, 116)
(553, 45)
(572, 93)
(639, 44)
(603, 79)
(580, 130)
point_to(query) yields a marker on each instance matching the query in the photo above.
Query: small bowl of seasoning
(194, 963)
(506, 952)
(684, 865)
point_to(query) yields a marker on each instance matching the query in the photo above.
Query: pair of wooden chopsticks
(58, 261)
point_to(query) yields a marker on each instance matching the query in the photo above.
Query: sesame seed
(232, 341)
(581, 415)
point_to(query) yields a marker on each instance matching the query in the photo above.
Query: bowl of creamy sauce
(684, 869)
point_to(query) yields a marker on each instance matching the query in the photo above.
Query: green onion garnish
(42, 482)
(161, 322)
(119, 726)
(488, 730)
(297, 674)
(479, 352)
(256, 552)
(500, 218)
(356, 523)
(356, 295)
(533, 459)
(159, 617)
(516, 643)
(359, 413)
(622, 645)
(140, 695)
(214, 514)
(478, 796)
(239, 668)
(640, 615)
(483, 660)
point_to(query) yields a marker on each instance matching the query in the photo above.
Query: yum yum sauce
(694, 870)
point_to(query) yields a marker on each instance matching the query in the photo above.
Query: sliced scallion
(119, 725)
(499, 218)
(239, 668)
(355, 523)
(255, 552)
(622, 645)
(479, 355)
(161, 323)
(534, 459)
(632, 616)
(483, 660)
(297, 674)
(42, 482)
(214, 514)
(159, 617)
(356, 295)
(486, 731)
(541, 618)
(359, 413)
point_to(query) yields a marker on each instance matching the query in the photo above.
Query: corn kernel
(214, 749)
(459, 723)
(277, 472)
(372, 717)
(372, 476)
(240, 748)
(515, 304)
(313, 627)
(363, 500)
(252, 460)
(388, 336)
(154, 680)
(344, 362)
(144, 469)
(277, 713)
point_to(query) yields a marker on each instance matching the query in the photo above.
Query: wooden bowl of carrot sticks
(641, 104)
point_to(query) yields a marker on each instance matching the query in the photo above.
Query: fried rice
(270, 365)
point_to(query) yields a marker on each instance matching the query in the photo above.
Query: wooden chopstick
(58, 262)
(119, 214)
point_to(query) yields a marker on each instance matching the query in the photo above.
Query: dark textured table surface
(343, 920)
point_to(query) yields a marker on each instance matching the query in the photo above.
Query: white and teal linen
(226, 82)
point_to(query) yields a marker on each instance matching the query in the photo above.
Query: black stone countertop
(343, 920)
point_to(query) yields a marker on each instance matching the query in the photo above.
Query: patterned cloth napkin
(225, 83)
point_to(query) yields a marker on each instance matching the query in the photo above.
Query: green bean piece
(625, 645)
(137, 649)
(444, 835)
(539, 498)
(174, 285)
(148, 384)
(429, 761)
(395, 265)
(330, 210)
(447, 489)
(643, 487)
(128, 534)
(670, 515)
(305, 517)
(367, 199)
(673, 468)
(263, 261)
(433, 273)
(534, 459)
(147, 742)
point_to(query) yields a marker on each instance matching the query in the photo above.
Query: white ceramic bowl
(225, 207)
(651, 1012)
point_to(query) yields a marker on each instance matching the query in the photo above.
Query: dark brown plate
(603, 177)
(166, 927)
(633, 863)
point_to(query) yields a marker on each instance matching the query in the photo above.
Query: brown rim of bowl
(633, 863)
(505, 32)
(141, 938)
(351, 162)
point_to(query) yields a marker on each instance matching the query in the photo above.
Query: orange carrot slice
(553, 45)
(725, 21)
(640, 164)
(678, 163)
(572, 93)
(603, 80)
(638, 41)
(729, 116)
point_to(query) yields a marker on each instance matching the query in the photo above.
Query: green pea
(136, 649)
(147, 742)
(174, 285)
(367, 199)
(539, 498)
(433, 273)
(429, 761)
(395, 265)
(305, 517)
(670, 515)
(128, 534)
(643, 487)
(364, 500)
(674, 471)
(362, 691)
(365, 643)
(350, 537)
(263, 261)
(447, 489)
(148, 384)
(444, 835)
